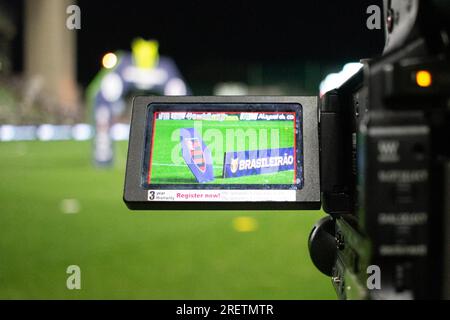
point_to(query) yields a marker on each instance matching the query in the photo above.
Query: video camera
(373, 152)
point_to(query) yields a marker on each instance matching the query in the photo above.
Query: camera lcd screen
(221, 151)
(224, 148)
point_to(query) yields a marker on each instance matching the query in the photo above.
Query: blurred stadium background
(58, 209)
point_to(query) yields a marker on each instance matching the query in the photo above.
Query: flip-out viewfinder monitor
(223, 153)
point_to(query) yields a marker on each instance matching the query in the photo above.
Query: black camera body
(385, 169)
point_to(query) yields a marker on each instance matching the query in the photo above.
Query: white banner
(222, 195)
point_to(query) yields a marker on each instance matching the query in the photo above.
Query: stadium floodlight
(109, 60)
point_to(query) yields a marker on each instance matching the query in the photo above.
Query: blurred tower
(50, 52)
(7, 34)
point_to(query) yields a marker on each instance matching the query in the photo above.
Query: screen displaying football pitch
(260, 148)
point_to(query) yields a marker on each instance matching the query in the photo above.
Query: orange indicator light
(424, 78)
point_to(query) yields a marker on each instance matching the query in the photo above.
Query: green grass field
(168, 166)
(123, 254)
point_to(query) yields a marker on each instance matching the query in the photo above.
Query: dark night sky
(208, 35)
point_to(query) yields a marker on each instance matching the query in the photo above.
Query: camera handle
(322, 245)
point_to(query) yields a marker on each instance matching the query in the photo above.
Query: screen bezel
(221, 107)
(308, 197)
